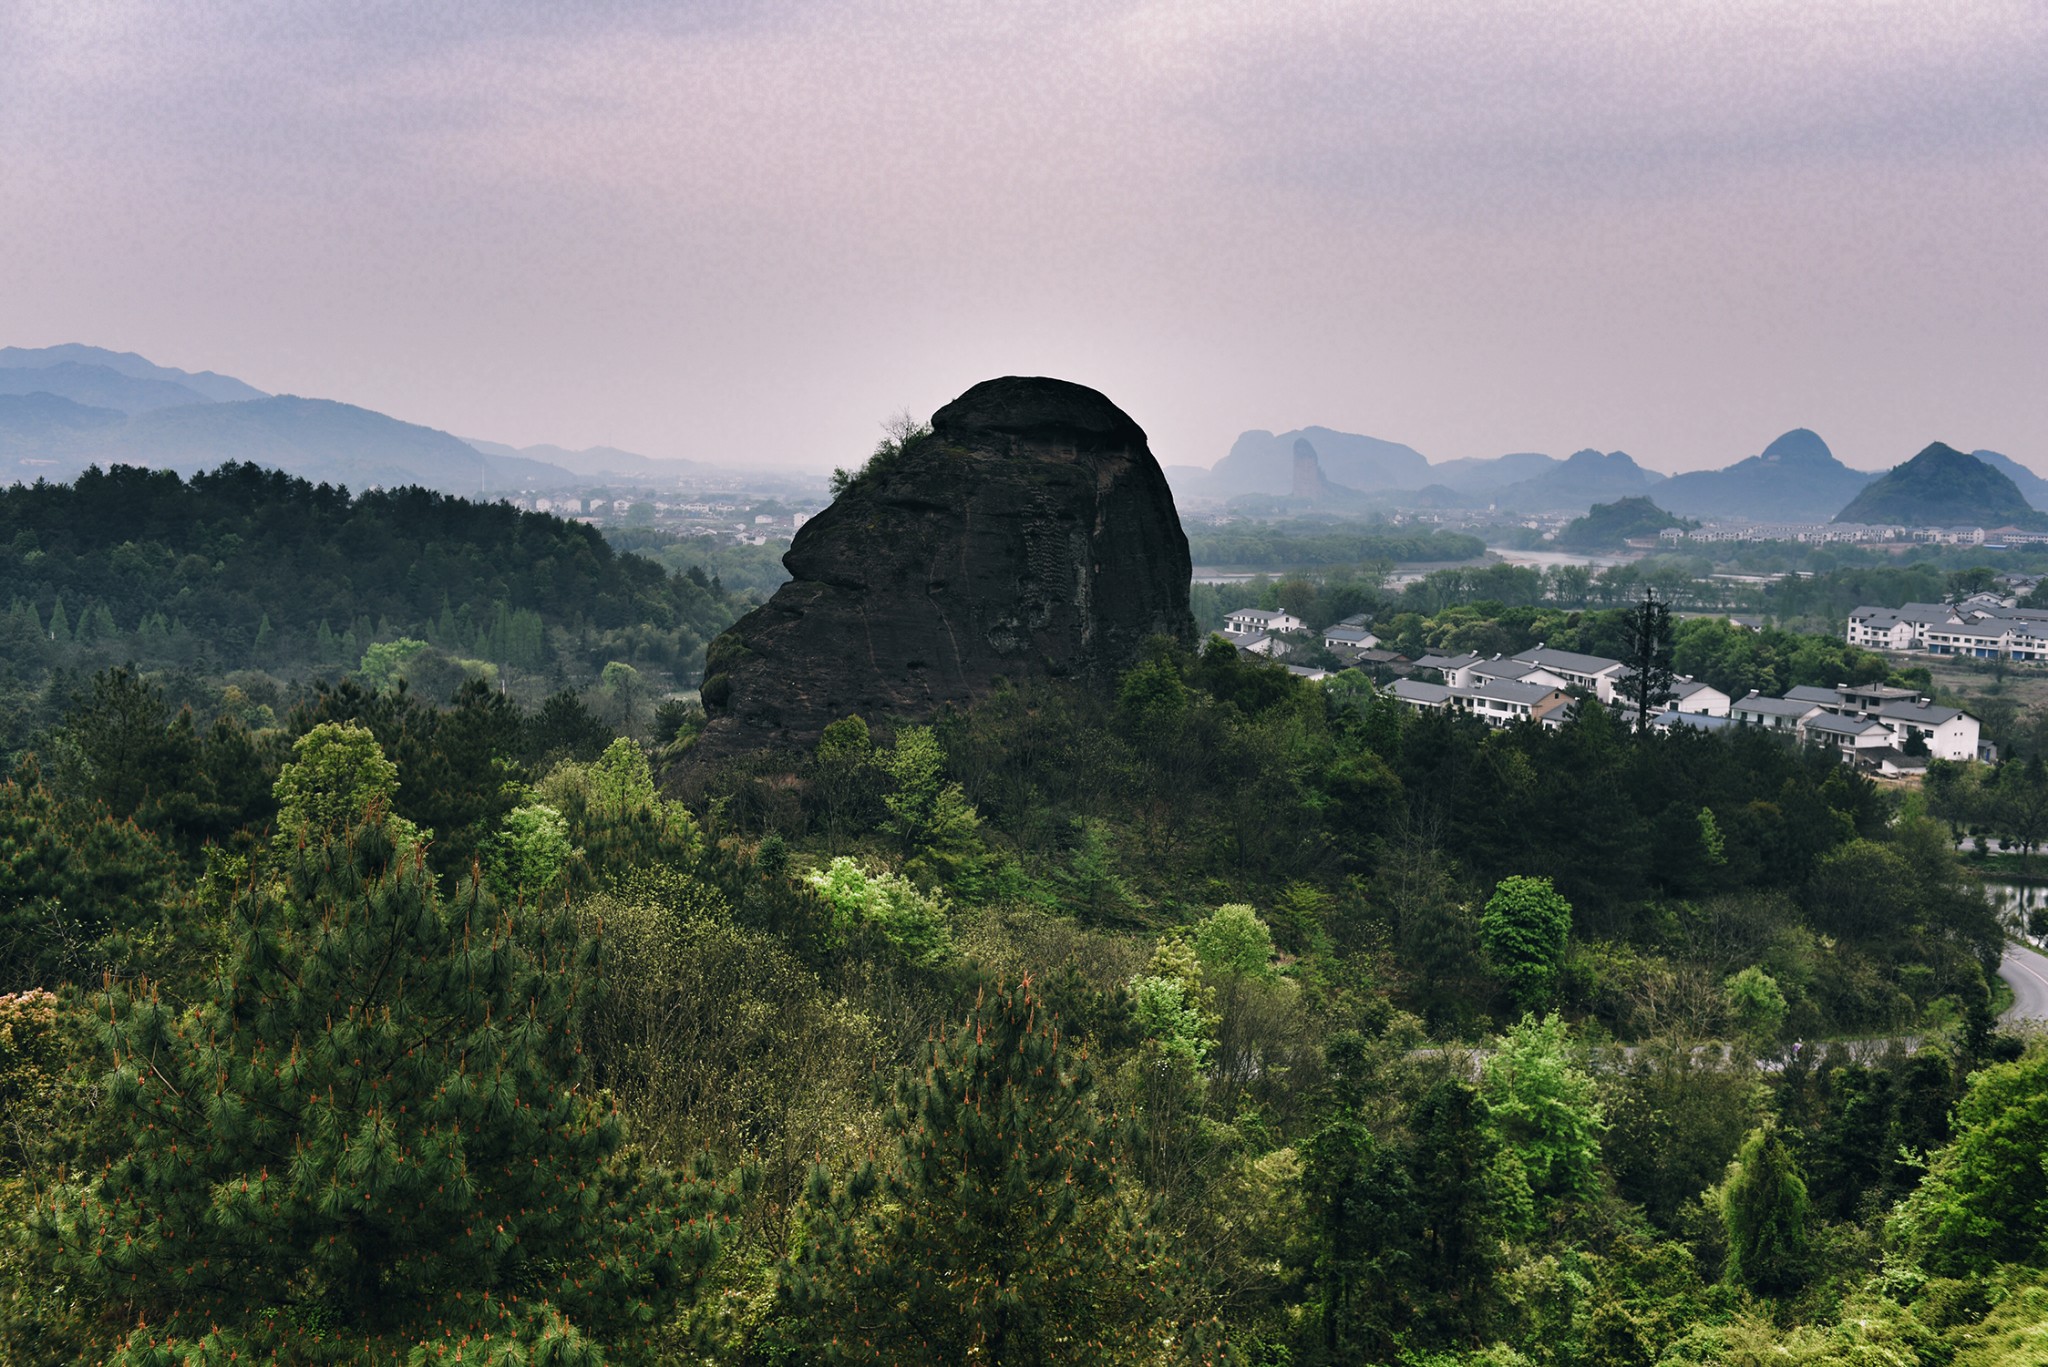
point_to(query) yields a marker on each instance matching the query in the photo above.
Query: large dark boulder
(1031, 534)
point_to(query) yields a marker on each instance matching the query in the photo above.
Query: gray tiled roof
(1830, 724)
(1416, 691)
(1568, 660)
(1928, 714)
(1773, 707)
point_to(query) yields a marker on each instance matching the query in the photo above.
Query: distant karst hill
(1029, 533)
(1610, 526)
(1583, 479)
(1261, 462)
(1943, 487)
(1795, 479)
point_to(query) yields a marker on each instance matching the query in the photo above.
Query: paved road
(2027, 970)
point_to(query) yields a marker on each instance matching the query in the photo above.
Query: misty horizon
(745, 235)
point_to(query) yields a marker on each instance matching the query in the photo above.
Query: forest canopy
(253, 569)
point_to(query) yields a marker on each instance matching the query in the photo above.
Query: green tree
(1757, 1005)
(1764, 1209)
(909, 919)
(383, 664)
(371, 1135)
(529, 855)
(934, 824)
(1984, 1200)
(845, 779)
(1233, 940)
(1544, 1108)
(338, 774)
(1451, 1167)
(993, 1233)
(75, 885)
(1361, 1199)
(1170, 1005)
(615, 817)
(1524, 931)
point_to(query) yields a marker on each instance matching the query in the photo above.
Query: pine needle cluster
(996, 1231)
(373, 1139)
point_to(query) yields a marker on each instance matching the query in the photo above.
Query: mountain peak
(1801, 445)
(1943, 487)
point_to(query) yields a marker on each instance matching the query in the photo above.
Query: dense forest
(1225, 1018)
(1231, 1019)
(254, 572)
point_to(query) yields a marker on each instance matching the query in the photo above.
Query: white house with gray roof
(1456, 669)
(1949, 732)
(1772, 714)
(1246, 621)
(1595, 673)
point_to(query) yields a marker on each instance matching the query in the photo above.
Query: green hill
(245, 568)
(1609, 526)
(1943, 487)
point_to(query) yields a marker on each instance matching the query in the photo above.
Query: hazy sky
(750, 232)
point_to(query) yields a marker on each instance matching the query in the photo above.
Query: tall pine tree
(372, 1139)
(994, 1233)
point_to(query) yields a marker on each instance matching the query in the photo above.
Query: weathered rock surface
(1030, 535)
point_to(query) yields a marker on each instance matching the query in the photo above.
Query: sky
(750, 233)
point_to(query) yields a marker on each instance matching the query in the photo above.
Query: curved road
(2027, 970)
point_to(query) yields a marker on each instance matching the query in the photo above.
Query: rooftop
(1927, 713)
(1772, 707)
(1568, 660)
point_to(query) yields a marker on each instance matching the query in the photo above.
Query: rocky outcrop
(1030, 534)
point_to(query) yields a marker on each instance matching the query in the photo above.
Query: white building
(1455, 669)
(1694, 698)
(1246, 621)
(1949, 732)
(1594, 673)
(1342, 637)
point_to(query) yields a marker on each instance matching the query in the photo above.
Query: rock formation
(1030, 534)
(1309, 484)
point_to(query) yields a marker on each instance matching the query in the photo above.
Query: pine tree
(1450, 1171)
(372, 1138)
(1764, 1207)
(75, 883)
(1361, 1200)
(993, 1234)
(1646, 686)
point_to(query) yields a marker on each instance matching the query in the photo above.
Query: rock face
(1031, 534)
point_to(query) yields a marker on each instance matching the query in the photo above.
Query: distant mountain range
(1794, 479)
(1263, 463)
(63, 408)
(1942, 487)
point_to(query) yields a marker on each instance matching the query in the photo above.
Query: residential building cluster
(1852, 533)
(1870, 726)
(1538, 684)
(1983, 626)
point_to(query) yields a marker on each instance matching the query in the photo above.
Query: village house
(1498, 704)
(1247, 621)
(1344, 636)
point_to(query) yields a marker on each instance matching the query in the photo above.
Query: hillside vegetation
(1943, 487)
(1221, 1017)
(1610, 526)
(251, 569)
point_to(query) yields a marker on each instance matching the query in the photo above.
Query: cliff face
(1030, 535)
